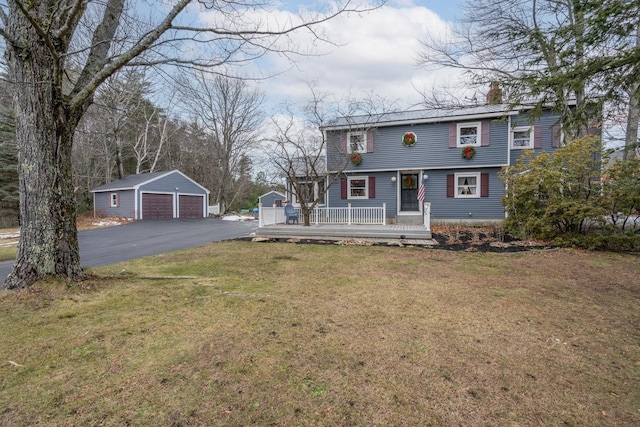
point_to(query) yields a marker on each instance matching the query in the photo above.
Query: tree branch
(98, 69)
(73, 15)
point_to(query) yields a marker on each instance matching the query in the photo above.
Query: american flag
(421, 193)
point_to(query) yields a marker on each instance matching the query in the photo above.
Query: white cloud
(378, 54)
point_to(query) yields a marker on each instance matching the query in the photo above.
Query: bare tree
(47, 39)
(540, 52)
(231, 114)
(307, 158)
(153, 133)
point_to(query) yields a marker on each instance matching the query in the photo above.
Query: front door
(409, 192)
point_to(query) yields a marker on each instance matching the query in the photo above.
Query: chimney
(494, 96)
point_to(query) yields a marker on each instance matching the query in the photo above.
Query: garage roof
(133, 182)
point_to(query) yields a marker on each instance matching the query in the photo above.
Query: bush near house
(565, 197)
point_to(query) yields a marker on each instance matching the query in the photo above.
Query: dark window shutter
(485, 139)
(484, 185)
(343, 142)
(537, 137)
(370, 141)
(451, 186)
(372, 187)
(343, 188)
(555, 136)
(453, 135)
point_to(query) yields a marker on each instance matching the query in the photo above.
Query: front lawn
(276, 334)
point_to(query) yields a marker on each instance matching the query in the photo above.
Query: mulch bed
(450, 238)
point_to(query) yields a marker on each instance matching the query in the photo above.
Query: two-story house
(448, 158)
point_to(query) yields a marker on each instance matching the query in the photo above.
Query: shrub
(550, 195)
(621, 242)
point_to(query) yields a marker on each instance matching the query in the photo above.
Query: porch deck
(342, 231)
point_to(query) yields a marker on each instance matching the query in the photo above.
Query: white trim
(429, 120)
(476, 175)
(509, 144)
(366, 187)
(165, 175)
(425, 168)
(316, 192)
(114, 202)
(531, 130)
(137, 186)
(173, 204)
(205, 205)
(399, 174)
(364, 141)
(477, 125)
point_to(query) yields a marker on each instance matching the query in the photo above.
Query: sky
(377, 54)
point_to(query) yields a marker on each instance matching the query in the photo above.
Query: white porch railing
(322, 215)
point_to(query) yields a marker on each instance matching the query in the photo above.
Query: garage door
(157, 206)
(191, 206)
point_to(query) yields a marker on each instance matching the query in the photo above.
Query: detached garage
(152, 195)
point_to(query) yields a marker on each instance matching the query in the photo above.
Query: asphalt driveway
(102, 246)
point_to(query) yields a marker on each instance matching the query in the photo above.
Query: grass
(7, 252)
(8, 245)
(240, 333)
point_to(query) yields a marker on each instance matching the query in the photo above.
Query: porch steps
(410, 219)
(388, 232)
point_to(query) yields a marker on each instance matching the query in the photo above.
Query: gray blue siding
(269, 199)
(431, 149)
(126, 204)
(433, 156)
(173, 183)
(447, 208)
(131, 188)
(545, 124)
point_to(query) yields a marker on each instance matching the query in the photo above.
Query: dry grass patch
(282, 334)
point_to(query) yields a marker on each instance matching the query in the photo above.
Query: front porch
(409, 232)
(343, 223)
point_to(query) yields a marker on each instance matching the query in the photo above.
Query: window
(522, 138)
(306, 191)
(467, 185)
(310, 191)
(321, 193)
(357, 142)
(114, 200)
(469, 134)
(358, 188)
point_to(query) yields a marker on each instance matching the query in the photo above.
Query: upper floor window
(357, 141)
(358, 187)
(522, 137)
(114, 200)
(469, 134)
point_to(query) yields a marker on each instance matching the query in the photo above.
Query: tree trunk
(633, 114)
(633, 117)
(44, 128)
